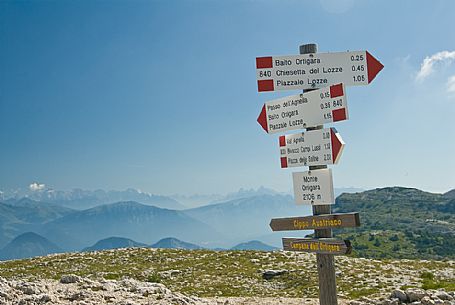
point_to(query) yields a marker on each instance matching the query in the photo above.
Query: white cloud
(37, 186)
(427, 66)
(451, 84)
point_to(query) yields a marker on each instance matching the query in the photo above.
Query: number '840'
(265, 73)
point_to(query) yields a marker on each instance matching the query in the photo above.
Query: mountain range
(174, 243)
(114, 243)
(24, 215)
(247, 218)
(79, 199)
(401, 223)
(218, 225)
(395, 222)
(198, 200)
(129, 219)
(28, 245)
(254, 245)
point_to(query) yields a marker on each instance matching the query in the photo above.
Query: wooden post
(325, 262)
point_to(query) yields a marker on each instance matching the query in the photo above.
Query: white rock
(426, 300)
(443, 295)
(415, 294)
(69, 279)
(399, 294)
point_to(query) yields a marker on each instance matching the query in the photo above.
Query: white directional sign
(313, 187)
(315, 147)
(304, 110)
(317, 70)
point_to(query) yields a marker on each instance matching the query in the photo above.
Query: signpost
(320, 245)
(316, 70)
(315, 147)
(329, 221)
(313, 187)
(312, 108)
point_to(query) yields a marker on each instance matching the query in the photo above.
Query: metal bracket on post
(325, 262)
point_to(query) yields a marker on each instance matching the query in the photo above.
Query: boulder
(400, 295)
(426, 300)
(442, 295)
(69, 279)
(415, 294)
(269, 274)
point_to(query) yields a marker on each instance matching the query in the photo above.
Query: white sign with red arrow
(317, 70)
(315, 147)
(304, 110)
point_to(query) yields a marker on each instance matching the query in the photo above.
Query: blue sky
(162, 96)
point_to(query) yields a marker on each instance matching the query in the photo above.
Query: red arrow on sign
(337, 144)
(373, 66)
(262, 119)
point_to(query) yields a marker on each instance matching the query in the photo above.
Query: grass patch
(154, 278)
(355, 294)
(430, 282)
(207, 273)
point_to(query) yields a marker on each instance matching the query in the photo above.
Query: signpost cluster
(324, 78)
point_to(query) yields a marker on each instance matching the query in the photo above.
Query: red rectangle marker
(265, 85)
(336, 90)
(339, 114)
(264, 62)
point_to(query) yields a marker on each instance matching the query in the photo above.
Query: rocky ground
(72, 289)
(150, 276)
(414, 296)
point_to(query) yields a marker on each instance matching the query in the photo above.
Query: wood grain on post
(325, 262)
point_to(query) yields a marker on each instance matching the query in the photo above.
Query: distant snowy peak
(83, 199)
(245, 193)
(450, 194)
(198, 200)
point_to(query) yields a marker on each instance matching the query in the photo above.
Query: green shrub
(154, 278)
(394, 237)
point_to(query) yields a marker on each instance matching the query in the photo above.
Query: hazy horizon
(44, 188)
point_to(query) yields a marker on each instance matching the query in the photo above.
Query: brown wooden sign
(328, 221)
(319, 245)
